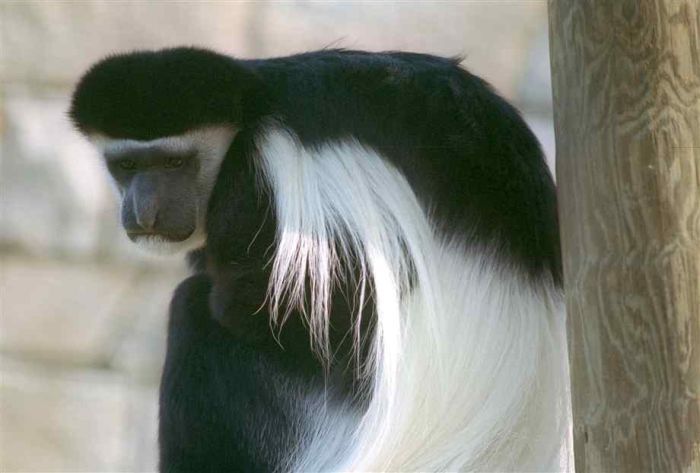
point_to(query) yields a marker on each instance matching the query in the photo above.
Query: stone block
(54, 419)
(54, 42)
(79, 313)
(140, 348)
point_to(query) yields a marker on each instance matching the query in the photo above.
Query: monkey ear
(148, 95)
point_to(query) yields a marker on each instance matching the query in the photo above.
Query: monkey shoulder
(343, 87)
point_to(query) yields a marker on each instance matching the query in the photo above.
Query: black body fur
(465, 151)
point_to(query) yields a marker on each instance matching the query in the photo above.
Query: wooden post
(626, 78)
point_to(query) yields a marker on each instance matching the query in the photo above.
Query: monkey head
(163, 122)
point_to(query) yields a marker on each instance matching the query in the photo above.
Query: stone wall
(82, 320)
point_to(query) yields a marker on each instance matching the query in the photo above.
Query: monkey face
(159, 193)
(165, 184)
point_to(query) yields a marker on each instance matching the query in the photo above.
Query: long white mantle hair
(468, 361)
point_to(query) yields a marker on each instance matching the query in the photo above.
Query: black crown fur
(146, 95)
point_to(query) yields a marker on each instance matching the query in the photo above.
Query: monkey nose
(146, 215)
(147, 220)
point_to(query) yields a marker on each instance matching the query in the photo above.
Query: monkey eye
(127, 164)
(174, 163)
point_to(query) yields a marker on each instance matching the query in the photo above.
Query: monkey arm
(217, 391)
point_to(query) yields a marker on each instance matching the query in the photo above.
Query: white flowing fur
(468, 361)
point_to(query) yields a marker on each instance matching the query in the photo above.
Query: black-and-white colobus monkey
(376, 276)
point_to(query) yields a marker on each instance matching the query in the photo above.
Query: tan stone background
(82, 315)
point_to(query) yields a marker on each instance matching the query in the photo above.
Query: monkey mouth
(164, 237)
(158, 244)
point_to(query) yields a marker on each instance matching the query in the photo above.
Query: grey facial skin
(165, 184)
(159, 189)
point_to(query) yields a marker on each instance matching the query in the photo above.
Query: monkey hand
(237, 300)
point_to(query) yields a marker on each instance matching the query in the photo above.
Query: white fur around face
(469, 359)
(211, 144)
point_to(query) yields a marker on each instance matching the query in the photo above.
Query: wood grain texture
(626, 79)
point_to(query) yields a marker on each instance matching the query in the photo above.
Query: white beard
(154, 244)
